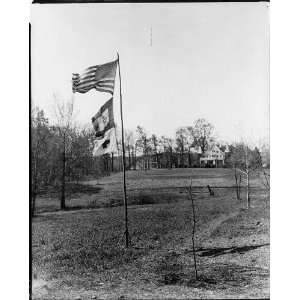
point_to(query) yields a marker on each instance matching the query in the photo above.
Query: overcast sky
(207, 60)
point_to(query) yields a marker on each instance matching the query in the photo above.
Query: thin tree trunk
(34, 192)
(120, 162)
(35, 177)
(248, 190)
(63, 199)
(130, 159)
(181, 157)
(239, 186)
(34, 189)
(33, 204)
(267, 181)
(248, 184)
(237, 189)
(193, 231)
(135, 158)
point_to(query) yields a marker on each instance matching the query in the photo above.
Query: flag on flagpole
(99, 77)
(104, 119)
(104, 126)
(107, 144)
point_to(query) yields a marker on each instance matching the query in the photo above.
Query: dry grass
(150, 187)
(81, 252)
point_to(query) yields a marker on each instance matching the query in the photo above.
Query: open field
(80, 253)
(154, 186)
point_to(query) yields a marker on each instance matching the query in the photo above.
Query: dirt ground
(80, 254)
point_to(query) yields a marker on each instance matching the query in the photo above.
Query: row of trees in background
(167, 152)
(61, 152)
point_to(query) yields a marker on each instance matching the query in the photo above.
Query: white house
(214, 157)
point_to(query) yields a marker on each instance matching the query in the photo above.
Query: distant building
(214, 157)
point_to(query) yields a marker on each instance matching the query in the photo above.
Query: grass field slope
(80, 254)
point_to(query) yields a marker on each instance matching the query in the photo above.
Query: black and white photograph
(149, 150)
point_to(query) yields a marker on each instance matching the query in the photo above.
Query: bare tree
(168, 145)
(235, 161)
(142, 144)
(129, 145)
(238, 181)
(194, 229)
(154, 144)
(65, 125)
(247, 172)
(133, 153)
(244, 162)
(40, 136)
(261, 167)
(203, 134)
(80, 154)
(181, 142)
(190, 142)
(119, 147)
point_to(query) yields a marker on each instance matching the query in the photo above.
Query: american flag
(99, 77)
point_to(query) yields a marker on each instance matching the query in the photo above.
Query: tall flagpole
(124, 162)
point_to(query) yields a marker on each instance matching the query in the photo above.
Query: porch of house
(211, 163)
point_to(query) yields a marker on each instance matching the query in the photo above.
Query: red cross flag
(104, 119)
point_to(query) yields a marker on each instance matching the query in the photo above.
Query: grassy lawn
(80, 253)
(150, 187)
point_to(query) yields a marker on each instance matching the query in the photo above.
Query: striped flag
(99, 77)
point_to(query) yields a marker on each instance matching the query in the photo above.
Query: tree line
(167, 152)
(61, 152)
